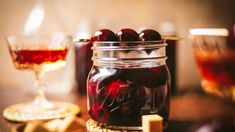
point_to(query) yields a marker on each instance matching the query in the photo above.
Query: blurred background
(84, 17)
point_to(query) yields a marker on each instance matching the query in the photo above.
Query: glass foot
(93, 126)
(30, 111)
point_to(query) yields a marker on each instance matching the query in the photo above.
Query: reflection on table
(190, 110)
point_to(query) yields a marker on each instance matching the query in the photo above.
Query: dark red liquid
(83, 63)
(171, 53)
(24, 58)
(218, 69)
(119, 97)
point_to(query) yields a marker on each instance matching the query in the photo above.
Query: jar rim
(155, 41)
(129, 44)
(129, 53)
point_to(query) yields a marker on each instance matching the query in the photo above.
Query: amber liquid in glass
(217, 71)
(45, 59)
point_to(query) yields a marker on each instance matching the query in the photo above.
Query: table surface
(187, 108)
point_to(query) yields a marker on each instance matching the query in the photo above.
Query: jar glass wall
(128, 80)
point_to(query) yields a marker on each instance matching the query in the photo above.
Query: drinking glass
(40, 54)
(215, 60)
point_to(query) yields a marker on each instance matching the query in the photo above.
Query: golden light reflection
(209, 31)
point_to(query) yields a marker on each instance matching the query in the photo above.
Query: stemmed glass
(40, 54)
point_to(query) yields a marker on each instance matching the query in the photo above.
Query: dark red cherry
(91, 89)
(116, 88)
(150, 35)
(128, 34)
(99, 113)
(95, 108)
(113, 87)
(104, 35)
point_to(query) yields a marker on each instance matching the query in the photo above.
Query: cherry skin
(114, 87)
(104, 35)
(99, 113)
(128, 34)
(117, 88)
(150, 35)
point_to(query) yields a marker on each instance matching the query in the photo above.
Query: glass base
(227, 92)
(93, 126)
(24, 112)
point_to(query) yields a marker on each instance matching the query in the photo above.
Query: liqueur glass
(39, 54)
(215, 59)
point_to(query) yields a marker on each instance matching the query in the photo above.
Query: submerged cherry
(91, 88)
(128, 34)
(150, 35)
(104, 35)
(99, 113)
(116, 88)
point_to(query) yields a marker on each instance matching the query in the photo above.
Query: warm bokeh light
(34, 19)
(81, 18)
(209, 31)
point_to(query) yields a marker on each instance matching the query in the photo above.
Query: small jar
(128, 80)
(83, 64)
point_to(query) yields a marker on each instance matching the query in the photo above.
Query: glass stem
(40, 98)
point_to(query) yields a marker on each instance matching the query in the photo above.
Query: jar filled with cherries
(129, 78)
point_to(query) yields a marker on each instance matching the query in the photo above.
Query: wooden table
(186, 109)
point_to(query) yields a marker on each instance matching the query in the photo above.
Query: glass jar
(83, 64)
(128, 80)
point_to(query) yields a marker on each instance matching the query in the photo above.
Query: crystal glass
(215, 60)
(40, 54)
(128, 80)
